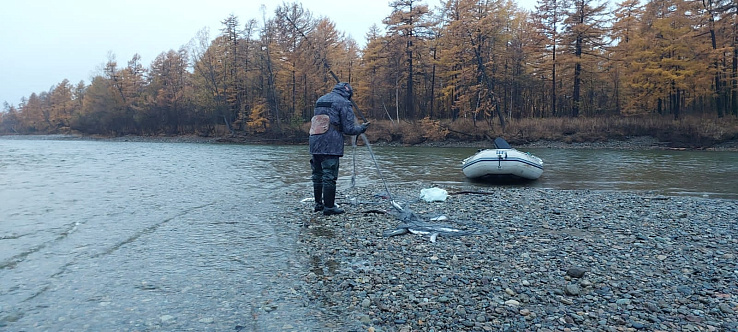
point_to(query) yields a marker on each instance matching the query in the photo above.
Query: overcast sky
(43, 42)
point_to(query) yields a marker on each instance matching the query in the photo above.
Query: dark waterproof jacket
(337, 106)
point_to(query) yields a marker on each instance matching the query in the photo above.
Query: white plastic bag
(433, 194)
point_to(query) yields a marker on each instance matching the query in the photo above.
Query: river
(712, 174)
(107, 235)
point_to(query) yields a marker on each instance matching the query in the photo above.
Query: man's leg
(330, 174)
(317, 182)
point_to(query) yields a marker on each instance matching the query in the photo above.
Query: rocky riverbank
(547, 260)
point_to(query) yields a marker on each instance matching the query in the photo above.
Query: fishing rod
(353, 104)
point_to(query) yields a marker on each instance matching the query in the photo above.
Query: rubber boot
(329, 199)
(318, 191)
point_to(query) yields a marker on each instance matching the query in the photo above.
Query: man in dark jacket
(333, 118)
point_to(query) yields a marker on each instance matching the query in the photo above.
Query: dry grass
(685, 132)
(690, 132)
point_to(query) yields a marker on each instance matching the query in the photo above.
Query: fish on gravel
(412, 223)
(422, 228)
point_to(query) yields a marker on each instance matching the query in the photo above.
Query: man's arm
(348, 121)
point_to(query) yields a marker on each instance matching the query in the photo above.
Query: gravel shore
(550, 260)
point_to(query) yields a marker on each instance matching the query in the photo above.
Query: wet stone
(638, 326)
(725, 308)
(576, 272)
(572, 289)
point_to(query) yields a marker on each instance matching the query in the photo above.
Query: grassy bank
(687, 133)
(690, 133)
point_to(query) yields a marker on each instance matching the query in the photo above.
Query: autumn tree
(232, 62)
(626, 18)
(548, 20)
(475, 33)
(97, 115)
(124, 97)
(484, 60)
(584, 33)
(661, 72)
(730, 30)
(404, 26)
(170, 89)
(375, 86)
(210, 77)
(296, 58)
(521, 89)
(267, 41)
(248, 75)
(9, 119)
(34, 116)
(61, 106)
(718, 20)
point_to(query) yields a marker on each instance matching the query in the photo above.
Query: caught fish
(413, 224)
(423, 228)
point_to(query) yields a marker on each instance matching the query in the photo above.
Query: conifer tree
(408, 17)
(549, 17)
(584, 27)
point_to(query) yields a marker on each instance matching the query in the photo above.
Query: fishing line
(353, 174)
(376, 165)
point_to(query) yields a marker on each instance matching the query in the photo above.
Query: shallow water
(131, 236)
(99, 235)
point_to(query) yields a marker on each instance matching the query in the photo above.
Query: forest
(466, 68)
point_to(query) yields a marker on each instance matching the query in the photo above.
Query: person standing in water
(333, 118)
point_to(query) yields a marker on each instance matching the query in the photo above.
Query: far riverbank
(629, 143)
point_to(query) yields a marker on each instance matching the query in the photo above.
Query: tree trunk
(409, 98)
(577, 76)
(718, 90)
(734, 97)
(433, 84)
(553, 80)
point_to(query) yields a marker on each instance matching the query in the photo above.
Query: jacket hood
(344, 89)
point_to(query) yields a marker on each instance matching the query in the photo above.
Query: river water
(111, 236)
(104, 235)
(712, 174)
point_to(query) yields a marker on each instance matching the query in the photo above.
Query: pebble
(566, 301)
(576, 272)
(572, 289)
(630, 262)
(725, 308)
(512, 303)
(638, 326)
